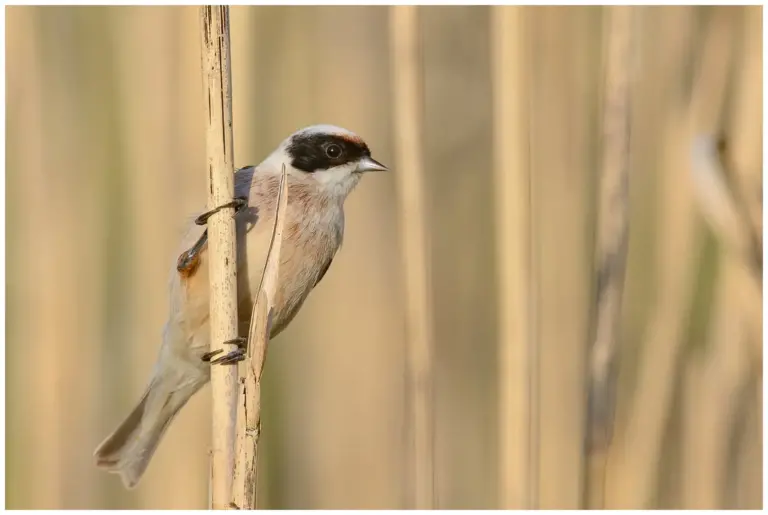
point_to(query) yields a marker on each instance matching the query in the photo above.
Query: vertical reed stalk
(245, 479)
(710, 103)
(513, 236)
(744, 159)
(217, 80)
(33, 413)
(611, 245)
(408, 100)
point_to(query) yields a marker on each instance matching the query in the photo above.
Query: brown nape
(354, 140)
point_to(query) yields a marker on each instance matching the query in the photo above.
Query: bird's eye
(333, 151)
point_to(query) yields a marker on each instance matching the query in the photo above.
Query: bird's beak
(368, 164)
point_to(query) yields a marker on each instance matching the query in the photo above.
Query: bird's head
(333, 157)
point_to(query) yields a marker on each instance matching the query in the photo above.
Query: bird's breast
(308, 247)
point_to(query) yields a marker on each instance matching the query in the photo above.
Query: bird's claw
(229, 358)
(208, 355)
(238, 203)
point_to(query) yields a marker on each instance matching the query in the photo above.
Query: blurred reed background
(105, 154)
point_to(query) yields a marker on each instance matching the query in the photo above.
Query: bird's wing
(189, 259)
(190, 278)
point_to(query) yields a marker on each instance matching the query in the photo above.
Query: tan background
(105, 153)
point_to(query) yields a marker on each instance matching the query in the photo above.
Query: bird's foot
(231, 357)
(238, 203)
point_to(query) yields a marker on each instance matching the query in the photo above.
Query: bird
(323, 164)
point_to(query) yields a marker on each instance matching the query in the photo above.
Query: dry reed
(563, 160)
(79, 82)
(721, 383)
(217, 80)
(245, 480)
(611, 246)
(408, 108)
(38, 273)
(631, 477)
(517, 348)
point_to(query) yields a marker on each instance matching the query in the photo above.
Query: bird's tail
(128, 450)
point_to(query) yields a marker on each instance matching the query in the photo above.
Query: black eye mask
(308, 151)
